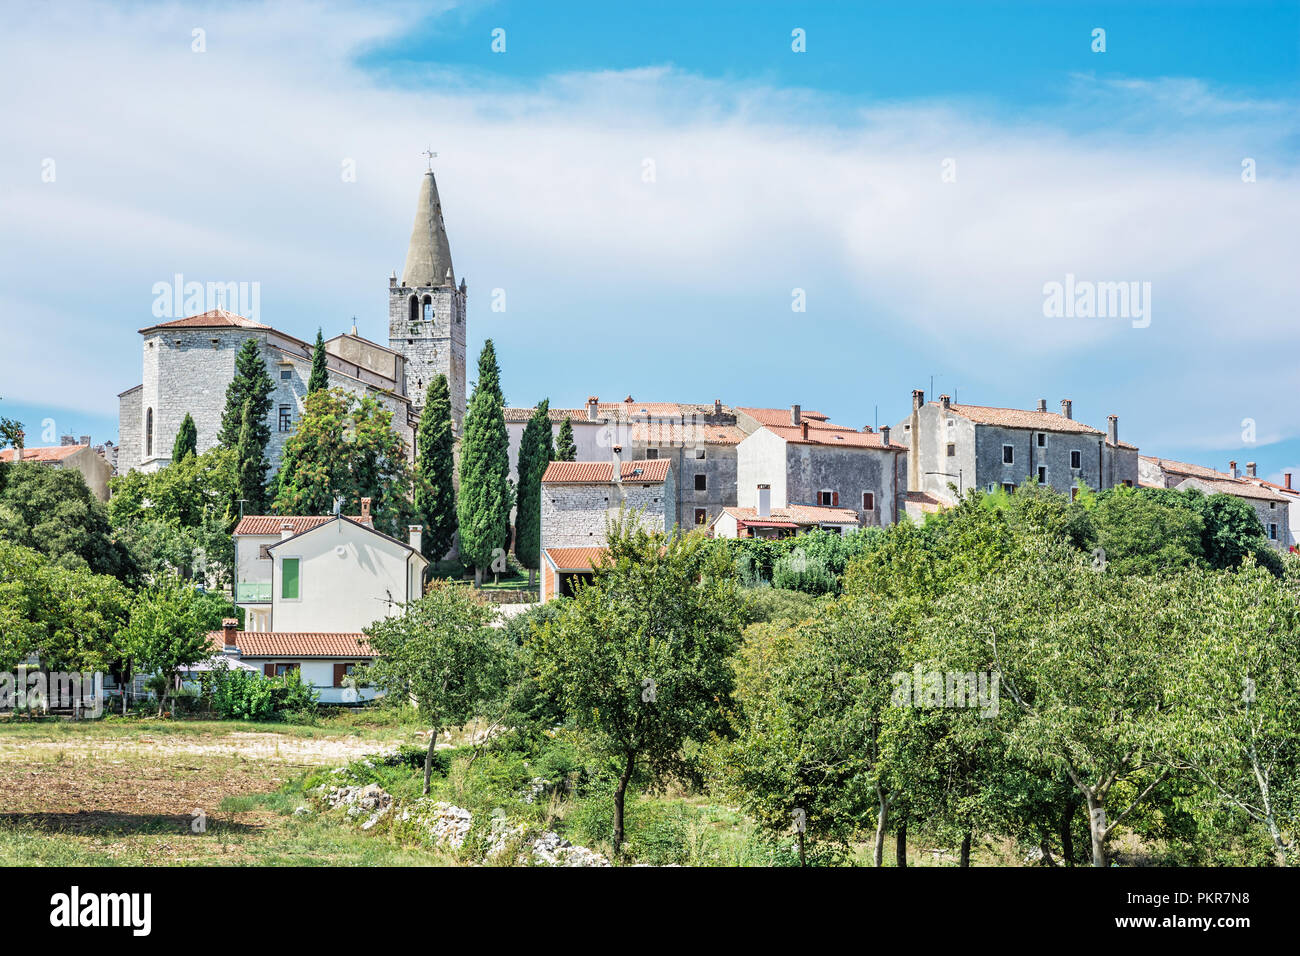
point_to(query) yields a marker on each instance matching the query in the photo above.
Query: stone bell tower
(426, 309)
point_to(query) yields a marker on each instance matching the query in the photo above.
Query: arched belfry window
(428, 308)
(148, 433)
(415, 308)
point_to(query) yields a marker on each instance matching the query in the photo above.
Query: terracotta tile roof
(682, 436)
(1185, 468)
(779, 416)
(602, 472)
(290, 644)
(1021, 418)
(833, 436)
(802, 515)
(575, 559)
(1281, 489)
(557, 415)
(1237, 487)
(56, 453)
(270, 524)
(215, 319)
(624, 412)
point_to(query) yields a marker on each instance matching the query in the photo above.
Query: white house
(309, 586)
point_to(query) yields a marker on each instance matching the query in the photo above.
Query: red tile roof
(1237, 487)
(802, 515)
(1020, 418)
(270, 524)
(833, 436)
(654, 471)
(779, 416)
(1185, 468)
(215, 319)
(683, 436)
(576, 559)
(56, 453)
(290, 644)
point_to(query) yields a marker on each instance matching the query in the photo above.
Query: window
(1076, 459)
(952, 450)
(1008, 486)
(701, 482)
(286, 374)
(289, 579)
(1042, 439)
(1074, 492)
(1042, 475)
(868, 501)
(651, 454)
(415, 309)
(824, 498)
(282, 669)
(701, 516)
(1272, 532)
(263, 551)
(428, 309)
(699, 454)
(1128, 482)
(148, 433)
(1008, 455)
(286, 419)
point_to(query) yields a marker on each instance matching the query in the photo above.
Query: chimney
(416, 533)
(867, 429)
(66, 440)
(84, 440)
(286, 530)
(796, 415)
(945, 401)
(618, 464)
(918, 398)
(764, 501)
(593, 409)
(365, 513)
(1067, 408)
(1286, 478)
(1112, 429)
(1250, 469)
(717, 406)
(884, 436)
(1042, 404)
(803, 430)
(1232, 468)
(229, 627)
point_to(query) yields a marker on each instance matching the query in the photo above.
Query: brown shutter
(340, 672)
(268, 670)
(835, 499)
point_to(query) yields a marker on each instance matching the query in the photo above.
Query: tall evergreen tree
(535, 453)
(251, 381)
(250, 463)
(483, 508)
(187, 439)
(319, 371)
(565, 447)
(435, 469)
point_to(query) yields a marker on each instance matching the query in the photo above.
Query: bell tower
(426, 309)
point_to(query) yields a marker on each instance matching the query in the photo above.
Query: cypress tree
(250, 463)
(319, 371)
(435, 463)
(565, 448)
(535, 453)
(187, 439)
(483, 508)
(251, 382)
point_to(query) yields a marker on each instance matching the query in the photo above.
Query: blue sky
(774, 171)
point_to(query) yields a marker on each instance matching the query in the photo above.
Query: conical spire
(428, 259)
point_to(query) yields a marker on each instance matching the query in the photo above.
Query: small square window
(282, 669)
(701, 516)
(699, 454)
(1008, 455)
(1042, 440)
(1008, 486)
(651, 454)
(286, 374)
(1128, 482)
(824, 498)
(1076, 459)
(868, 501)
(952, 450)
(701, 482)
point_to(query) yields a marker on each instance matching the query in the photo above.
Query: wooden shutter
(835, 499)
(289, 579)
(268, 670)
(340, 673)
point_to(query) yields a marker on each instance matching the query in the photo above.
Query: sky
(671, 201)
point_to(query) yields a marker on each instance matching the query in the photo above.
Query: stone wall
(574, 516)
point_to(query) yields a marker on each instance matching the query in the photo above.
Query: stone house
(810, 462)
(579, 497)
(1272, 503)
(92, 466)
(951, 445)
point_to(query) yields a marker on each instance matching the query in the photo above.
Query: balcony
(253, 592)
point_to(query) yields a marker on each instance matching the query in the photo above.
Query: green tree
(483, 506)
(168, 630)
(565, 448)
(443, 654)
(535, 453)
(639, 658)
(435, 471)
(187, 440)
(320, 377)
(1140, 534)
(251, 383)
(250, 464)
(52, 511)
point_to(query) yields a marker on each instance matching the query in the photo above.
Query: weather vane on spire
(432, 156)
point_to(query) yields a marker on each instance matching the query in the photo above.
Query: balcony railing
(253, 592)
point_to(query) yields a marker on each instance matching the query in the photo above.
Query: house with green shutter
(309, 586)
